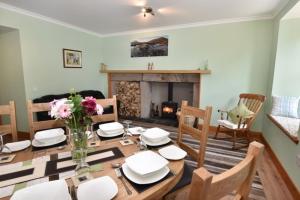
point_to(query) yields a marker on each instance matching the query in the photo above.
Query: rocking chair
(254, 103)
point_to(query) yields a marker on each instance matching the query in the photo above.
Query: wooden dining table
(155, 192)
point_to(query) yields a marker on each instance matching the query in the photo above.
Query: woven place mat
(142, 187)
(159, 146)
(48, 147)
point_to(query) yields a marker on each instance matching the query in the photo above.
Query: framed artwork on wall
(72, 58)
(150, 47)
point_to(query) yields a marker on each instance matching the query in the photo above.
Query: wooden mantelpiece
(156, 71)
(147, 76)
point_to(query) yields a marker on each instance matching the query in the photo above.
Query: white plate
(112, 132)
(161, 142)
(57, 190)
(144, 180)
(111, 126)
(16, 146)
(35, 143)
(172, 152)
(155, 134)
(136, 130)
(48, 136)
(103, 188)
(100, 133)
(146, 162)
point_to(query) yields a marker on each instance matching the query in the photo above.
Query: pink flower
(64, 111)
(99, 109)
(89, 105)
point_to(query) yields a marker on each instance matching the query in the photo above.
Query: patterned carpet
(220, 157)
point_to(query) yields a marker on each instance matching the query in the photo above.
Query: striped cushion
(285, 106)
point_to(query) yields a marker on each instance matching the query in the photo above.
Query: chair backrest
(107, 117)
(34, 125)
(206, 186)
(10, 128)
(254, 103)
(198, 134)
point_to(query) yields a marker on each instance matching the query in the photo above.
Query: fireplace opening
(169, 108)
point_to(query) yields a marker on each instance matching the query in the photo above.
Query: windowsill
(283, 129)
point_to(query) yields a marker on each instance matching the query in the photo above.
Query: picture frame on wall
(72, 58)
(150, 47)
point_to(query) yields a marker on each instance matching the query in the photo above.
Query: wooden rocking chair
(253, 102)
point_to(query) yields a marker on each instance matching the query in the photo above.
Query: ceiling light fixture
(147, 10)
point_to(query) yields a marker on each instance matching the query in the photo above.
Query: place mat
(159, 146)
(109, 138)
(59, 165)
(48, 147)
(141, 188)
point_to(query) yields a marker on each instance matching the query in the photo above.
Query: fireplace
(169, 108)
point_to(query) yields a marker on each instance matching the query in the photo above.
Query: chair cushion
(240, 110)
(285, 106)
(186, 178)
(229, 124)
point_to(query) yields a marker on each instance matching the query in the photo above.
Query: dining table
(157, 191)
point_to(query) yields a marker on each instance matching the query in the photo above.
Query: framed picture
(149, 47)
(72, 58)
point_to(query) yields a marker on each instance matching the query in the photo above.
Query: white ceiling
(115, 16)
(293, 13)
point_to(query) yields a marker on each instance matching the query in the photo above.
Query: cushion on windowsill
(285, 106)
(291, 125)
(229, 124)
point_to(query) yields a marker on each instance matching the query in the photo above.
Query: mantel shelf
(156, 71)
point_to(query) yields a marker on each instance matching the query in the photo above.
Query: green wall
(11, 76)
(287, 70)
(282, 146)
(238, 54)
(41, 48)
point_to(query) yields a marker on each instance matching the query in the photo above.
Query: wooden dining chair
(106, 103)
(200, 135)
(254, 103)
(206, 186)
(34, 125)
(10, 128)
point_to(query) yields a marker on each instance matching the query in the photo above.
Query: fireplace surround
(148, 81)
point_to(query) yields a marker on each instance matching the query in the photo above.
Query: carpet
(220, 157)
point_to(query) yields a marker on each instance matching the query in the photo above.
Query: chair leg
(218, 129)
(234, 140)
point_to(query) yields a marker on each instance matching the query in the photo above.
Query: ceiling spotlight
(147, 10)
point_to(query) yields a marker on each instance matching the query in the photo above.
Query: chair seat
(186, 178)
(229, 124)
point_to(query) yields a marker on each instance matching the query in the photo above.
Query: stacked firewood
(129, 95)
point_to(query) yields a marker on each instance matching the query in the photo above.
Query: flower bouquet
(76, 113)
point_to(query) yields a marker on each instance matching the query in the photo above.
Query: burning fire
(167, 109)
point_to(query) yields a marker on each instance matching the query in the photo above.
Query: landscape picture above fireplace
(148, 47)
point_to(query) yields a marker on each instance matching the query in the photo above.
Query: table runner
(51, 172)
(65, 164)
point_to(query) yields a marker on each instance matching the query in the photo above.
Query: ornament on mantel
(150, 66)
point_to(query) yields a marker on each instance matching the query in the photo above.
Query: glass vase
(79, 143)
